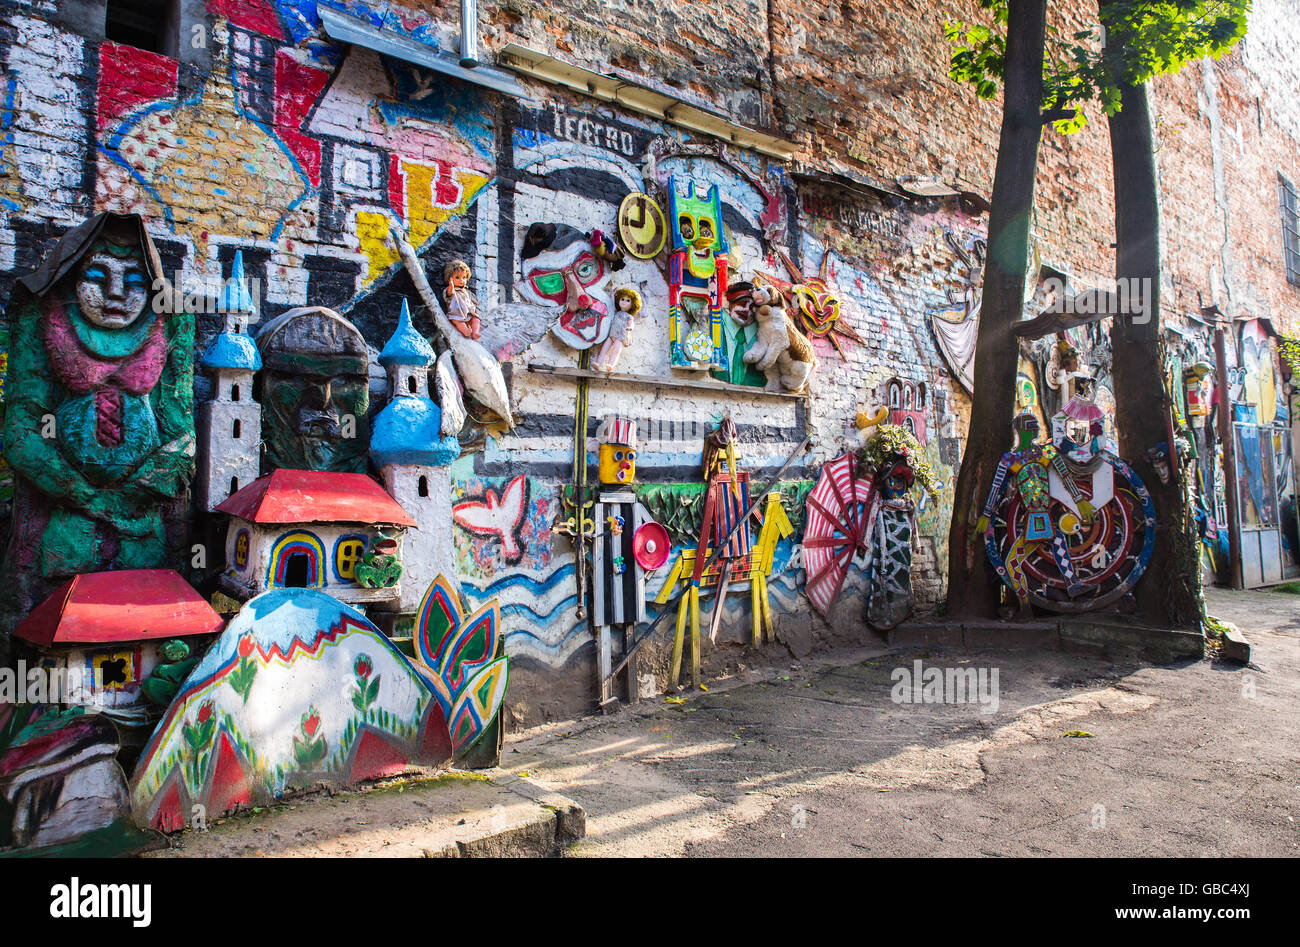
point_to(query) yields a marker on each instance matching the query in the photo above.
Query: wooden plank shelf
(679, 384)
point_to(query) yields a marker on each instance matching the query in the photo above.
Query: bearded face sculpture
(563, 272)
(315, 392)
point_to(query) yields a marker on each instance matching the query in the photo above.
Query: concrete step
(448, 815)
(1103, 634)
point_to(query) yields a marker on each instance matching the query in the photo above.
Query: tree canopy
(1133, 41)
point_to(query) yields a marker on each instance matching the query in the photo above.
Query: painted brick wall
(304, 154)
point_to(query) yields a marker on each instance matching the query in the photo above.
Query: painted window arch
(348, 551)
(298, 557)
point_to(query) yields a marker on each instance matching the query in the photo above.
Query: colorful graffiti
(536, 590)
(336, 150)
(499, 517)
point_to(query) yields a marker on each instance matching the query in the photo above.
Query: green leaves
(1134, 41)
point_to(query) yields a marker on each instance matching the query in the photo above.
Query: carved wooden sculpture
(100, 421)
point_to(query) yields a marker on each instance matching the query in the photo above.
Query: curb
(1111, 636)
(570, 818)
(557, 823)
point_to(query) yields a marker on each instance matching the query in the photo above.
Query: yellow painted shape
(372, 228)
(424, 218)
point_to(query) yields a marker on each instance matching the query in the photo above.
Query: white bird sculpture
(479, 370)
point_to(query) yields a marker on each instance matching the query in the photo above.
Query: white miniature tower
(408, 447)
(229, 426)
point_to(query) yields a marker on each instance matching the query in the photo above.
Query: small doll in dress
(462, 307)
(627, 304)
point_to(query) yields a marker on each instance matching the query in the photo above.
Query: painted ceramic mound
(302, 688)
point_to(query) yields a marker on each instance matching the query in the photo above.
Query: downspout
(469, 33)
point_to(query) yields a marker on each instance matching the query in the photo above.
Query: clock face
(641, 226)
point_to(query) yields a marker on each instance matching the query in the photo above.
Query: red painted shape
(315, 496)
(129, 78)
(435, 741)
(230, 784)
(126, 605)
(297, 87)
(397, 185)
(170, 814)
(255, 15)
(374, 757)
(446, 190)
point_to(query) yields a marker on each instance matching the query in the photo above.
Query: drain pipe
(469, 33)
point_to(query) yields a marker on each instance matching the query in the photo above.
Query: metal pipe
(469, 33)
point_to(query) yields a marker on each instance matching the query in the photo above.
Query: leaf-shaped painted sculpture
(473, 645)
(455, 653)
(478, 704)
(438, 617)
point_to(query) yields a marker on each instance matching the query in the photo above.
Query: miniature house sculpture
(310, 529)
(113, 624)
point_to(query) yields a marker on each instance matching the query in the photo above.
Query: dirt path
(1195, 758)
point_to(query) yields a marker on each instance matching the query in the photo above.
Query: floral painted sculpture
(302, 688)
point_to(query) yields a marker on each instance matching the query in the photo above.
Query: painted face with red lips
(574, 278)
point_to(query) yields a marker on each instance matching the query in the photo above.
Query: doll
(627, 304)
(462, 307)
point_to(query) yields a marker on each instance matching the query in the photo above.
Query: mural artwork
(302, 688)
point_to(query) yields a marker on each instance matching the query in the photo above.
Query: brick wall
(304, 154)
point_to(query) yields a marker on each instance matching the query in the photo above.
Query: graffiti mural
(336, 149)
(504, 550)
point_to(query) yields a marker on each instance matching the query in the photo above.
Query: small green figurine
(168, 675)
(379, 568)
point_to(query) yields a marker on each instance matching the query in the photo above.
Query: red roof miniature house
(314, 529)
(113, 623)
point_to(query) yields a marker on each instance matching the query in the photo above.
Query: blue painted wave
(520, 578)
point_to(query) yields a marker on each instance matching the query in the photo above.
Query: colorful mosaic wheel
(1109, 554)
(698, 346)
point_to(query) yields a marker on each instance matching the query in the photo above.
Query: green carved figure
(170, 673)
(379, 568)
(315, 392)
(99, 422)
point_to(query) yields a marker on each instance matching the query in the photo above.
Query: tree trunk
(972, 586)
(1169, 593)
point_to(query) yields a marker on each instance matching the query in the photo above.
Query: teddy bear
(779, 342)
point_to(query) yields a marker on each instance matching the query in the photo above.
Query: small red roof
(315, 496)
(126, 605)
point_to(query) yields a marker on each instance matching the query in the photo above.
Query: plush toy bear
(779, 342)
